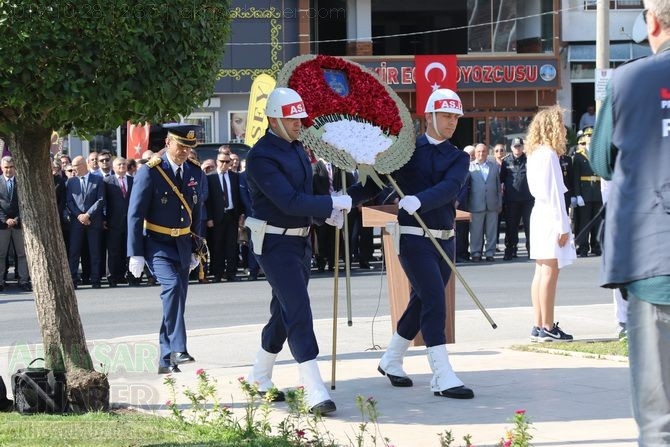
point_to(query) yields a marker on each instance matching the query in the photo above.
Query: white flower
(363, 141)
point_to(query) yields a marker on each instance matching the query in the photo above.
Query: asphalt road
(108, 313)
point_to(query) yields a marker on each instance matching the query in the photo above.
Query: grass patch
(117, 429)
(597, 348)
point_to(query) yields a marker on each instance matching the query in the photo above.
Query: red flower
(200, 372)
(520, 411)
(367, 98)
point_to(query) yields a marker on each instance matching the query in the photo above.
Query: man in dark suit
(10, 225)
(224, 209)
(117, 197)
(85, 202)
(327, 179)
(163, 224)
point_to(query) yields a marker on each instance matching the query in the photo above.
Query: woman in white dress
(551, 242)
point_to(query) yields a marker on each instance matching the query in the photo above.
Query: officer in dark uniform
(517, 200)
(589, 199)
(279, 178)
(163, 219)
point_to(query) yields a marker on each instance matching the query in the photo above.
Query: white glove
(573, 201)
(136, 265)
(580, 201)
(409, 204)
(336, 219)
(342, 202)
(194, 263)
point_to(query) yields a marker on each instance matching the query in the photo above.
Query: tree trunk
(57, 312)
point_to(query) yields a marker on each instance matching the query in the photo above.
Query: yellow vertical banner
(258, 96)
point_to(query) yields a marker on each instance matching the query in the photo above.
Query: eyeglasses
(644, 15)
(223, 161)
(582, 144)
(103, 160)
(69, 170)
(9, 167)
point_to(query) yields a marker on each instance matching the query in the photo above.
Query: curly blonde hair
(547, 128)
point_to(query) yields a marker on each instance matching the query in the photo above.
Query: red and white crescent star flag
(432, 72)
(137, 140)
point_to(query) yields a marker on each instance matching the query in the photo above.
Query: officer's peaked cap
(185, 134)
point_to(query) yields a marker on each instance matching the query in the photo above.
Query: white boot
(261, 373)
(445, 382)
(316, 396)
(391, 363)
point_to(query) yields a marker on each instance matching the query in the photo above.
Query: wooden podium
(398, 284)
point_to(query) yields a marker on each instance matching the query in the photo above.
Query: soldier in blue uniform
(163, 221)
(279, 178)
(432, 180)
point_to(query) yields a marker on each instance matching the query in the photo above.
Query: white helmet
(444, 100)
(285, 103)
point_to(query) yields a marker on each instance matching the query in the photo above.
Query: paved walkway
(571, 400)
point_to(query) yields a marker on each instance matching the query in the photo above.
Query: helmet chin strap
(282, 131)
(437, 132)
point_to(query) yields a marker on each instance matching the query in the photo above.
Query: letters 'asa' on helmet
(285, 103)
(444, 100)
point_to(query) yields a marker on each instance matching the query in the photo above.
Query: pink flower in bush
(200, 372)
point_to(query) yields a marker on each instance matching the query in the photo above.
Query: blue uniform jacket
(434, 174)
(153, 199)
(279, 178)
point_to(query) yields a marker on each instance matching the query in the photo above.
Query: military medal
(164, 200)
(195, 199)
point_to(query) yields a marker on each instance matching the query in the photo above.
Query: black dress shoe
(278, 396)
(231, 278)
(325, 407)
(113, 283)
(96, 285)
(457, 392)
(476, 258)
(402, 382)
(168, 369)
(181, 357)
(490, 259)
(365, 266)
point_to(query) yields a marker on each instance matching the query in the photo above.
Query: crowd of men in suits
(497, 190)
(92, 196)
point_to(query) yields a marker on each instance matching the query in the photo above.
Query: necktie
(224, 187)
(10, 188)
(83, 185)
(180, 181)
(124, 191)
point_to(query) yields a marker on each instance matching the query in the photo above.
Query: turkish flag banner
(137, 140)
(432, 72)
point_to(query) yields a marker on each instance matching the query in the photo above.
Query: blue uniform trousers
(286, 263)
(173, 279)
(428, 275)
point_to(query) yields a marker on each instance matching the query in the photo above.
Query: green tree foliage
(96, 63)
(91, 65)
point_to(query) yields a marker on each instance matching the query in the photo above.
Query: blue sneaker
(534, 333)
(555, 334)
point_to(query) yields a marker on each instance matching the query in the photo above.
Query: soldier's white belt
(416, 231)
(259, 228)
(271, 229)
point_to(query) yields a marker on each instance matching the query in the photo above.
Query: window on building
(207, 121)
(615, 4)
(510, 26)
(419, 27)
(328, 21)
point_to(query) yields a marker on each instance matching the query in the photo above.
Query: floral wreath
(355, 121)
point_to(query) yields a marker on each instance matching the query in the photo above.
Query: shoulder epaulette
(155, 161)
(195, 162)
